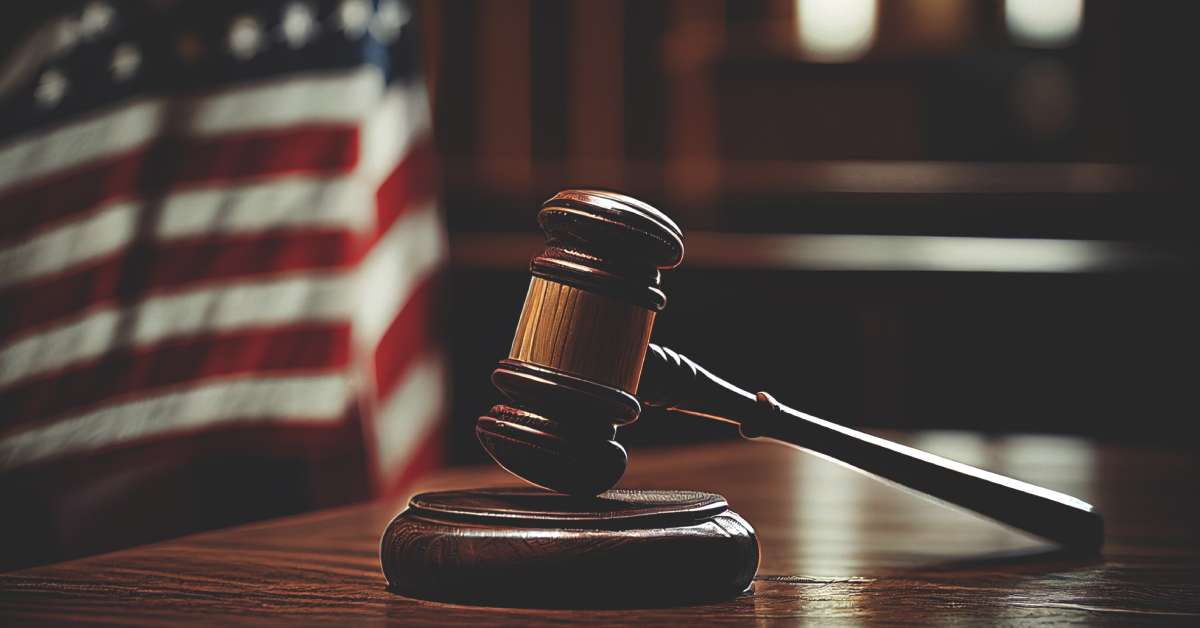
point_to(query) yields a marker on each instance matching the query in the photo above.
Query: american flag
(219, 250)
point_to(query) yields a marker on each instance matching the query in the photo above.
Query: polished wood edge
(710, 559)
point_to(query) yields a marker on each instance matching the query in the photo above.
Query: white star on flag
(51, 88)
(245, 37)
(96, 18)
(65, 36)
(353, 17)
(298, 25)
(391, 17)
(125, 61)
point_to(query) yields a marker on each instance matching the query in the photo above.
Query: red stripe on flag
(187, 263)
(172, 163)
(51, 199)
(413, 180)
(129, 374)
(171, 266)
(407, 337)
(292, 150)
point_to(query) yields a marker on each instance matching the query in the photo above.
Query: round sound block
(528, 547)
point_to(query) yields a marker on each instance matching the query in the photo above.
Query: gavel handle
(673, 381)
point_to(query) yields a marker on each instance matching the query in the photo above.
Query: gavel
(581, 365)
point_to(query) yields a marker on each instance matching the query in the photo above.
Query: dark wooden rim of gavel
(581, 361)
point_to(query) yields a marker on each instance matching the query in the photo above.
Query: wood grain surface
(583, 333)
(531, 548)
(837, 548)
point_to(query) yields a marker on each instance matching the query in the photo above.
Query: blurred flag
(218, 251)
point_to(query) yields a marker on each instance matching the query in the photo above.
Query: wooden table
(836, 548)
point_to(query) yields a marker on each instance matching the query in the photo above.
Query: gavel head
(576, 358)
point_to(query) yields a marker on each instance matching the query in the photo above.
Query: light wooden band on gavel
(582, 333)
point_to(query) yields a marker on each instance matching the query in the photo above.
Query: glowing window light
(836, 30)
(1043, 23)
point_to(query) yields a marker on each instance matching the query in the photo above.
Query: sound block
(528, 547)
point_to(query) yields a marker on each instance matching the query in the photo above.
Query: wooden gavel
(581, 360)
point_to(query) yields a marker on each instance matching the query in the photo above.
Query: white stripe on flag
(412, 248)
(308, 399)
(401, 118)
(99, 136)
(99, 234)
(370, 296)
(389, 132)
(405, 418)
(304, 298)
(79, 340)
(292, 203)
(341, 97)
(212, 308)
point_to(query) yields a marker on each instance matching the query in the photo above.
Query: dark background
(947, 126)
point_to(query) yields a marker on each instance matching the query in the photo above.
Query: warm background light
(836, 30)
(1043, 23)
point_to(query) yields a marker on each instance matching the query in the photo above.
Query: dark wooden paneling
(548, 78)
(645, 91)
(454, 113)
(1103, 354)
